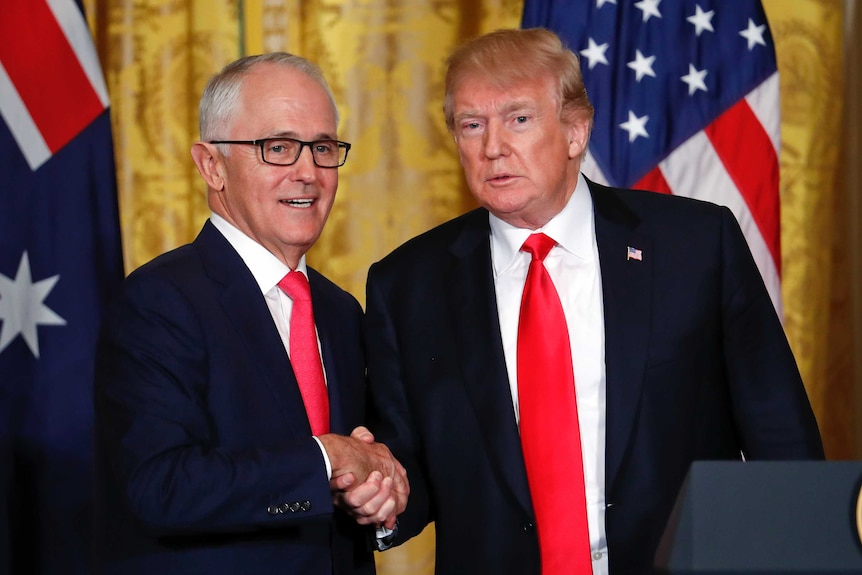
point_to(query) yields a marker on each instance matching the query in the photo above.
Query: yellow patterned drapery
(384, 60)
(809, 47)
(157, 56)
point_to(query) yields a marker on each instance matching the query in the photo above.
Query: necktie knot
(538, 246)
(295, 285)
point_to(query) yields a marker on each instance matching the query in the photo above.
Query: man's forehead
(491, 97)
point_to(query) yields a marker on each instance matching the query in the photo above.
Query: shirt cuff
(385, 536)
(325, 458)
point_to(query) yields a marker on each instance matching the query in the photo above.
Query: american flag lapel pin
(634, 254)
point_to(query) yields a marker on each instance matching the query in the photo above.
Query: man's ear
(579, 134)
(209, 162)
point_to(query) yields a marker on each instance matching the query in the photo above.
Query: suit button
(305, 505)
(528, 527)
(285, 507)
(273, 510)
(294, 507)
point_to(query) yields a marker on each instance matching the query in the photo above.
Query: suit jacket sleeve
(770, 403)
(389, 416)
(195, 438)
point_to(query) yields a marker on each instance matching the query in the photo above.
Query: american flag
(686, 98)
(60, 259)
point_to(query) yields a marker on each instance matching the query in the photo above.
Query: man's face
(520, 161)
(281, 207)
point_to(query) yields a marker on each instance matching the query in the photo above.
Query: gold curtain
(809, 46)
(157, 55)
(384, 59)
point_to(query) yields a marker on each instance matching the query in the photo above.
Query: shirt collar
(572, 229)
(267, 269)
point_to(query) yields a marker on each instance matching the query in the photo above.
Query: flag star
(600, 3)
(642, 65)
(595, 53)
(701, 20)
(754, 34)
(22, 307)
(635, 126)
(649, 8)
(694, 79)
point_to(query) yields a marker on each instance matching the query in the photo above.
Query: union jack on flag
(686, 98)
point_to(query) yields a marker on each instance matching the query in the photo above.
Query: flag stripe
(45, 71)
(24, 130)
(654, 180)
(695, 170)
(747, 153)
(764, 103)
(74, 26)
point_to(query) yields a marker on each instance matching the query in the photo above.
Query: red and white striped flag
(687, 102)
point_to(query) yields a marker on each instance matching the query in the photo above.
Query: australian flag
(60, 259)
(687, 102)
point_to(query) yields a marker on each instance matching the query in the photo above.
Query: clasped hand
(367, 481)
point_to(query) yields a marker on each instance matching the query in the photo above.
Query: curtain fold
(809, 46)
(157, 56)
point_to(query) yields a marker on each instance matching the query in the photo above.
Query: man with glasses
(230, 384)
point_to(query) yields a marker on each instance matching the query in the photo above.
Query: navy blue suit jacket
(697, 368)
(205, 459)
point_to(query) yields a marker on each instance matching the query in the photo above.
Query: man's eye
(279, 147)
(521, 119)
(324, 147)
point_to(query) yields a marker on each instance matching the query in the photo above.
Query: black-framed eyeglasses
(286, 151)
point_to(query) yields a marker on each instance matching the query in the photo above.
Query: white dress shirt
(573, 265)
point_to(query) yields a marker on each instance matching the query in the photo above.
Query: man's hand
(367, 481)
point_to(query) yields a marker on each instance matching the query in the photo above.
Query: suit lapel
(472, 303)
(244, 307)
(627, 293)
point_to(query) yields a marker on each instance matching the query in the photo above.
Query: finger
(355, 499)
(390, 523)
(342, 482)
(380, 507)
(362, 433)
(401, 484)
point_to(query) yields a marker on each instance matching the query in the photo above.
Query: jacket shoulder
(440, 240)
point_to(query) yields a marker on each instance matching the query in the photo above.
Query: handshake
(367, 481)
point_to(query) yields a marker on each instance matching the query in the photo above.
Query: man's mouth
(299, 202)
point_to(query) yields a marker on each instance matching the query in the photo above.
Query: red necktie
(550, 437)
(304, 353)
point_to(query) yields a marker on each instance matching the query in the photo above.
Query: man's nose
(496, 140)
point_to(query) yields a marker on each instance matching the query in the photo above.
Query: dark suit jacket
(697, 367)
(205, 459)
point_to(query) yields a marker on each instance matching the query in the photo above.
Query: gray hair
(223, 90)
